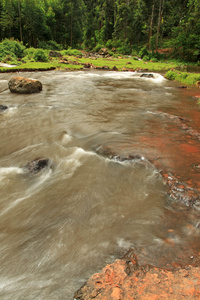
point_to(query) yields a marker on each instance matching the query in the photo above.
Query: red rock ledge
(124, 279)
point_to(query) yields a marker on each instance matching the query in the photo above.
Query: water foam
(9, 170)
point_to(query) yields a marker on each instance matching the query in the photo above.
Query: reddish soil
(124, 279)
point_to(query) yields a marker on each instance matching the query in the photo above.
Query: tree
(33, 17)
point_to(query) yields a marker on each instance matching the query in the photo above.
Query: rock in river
(147, 75)
(3, 107)
(24, 85)
(35, 166)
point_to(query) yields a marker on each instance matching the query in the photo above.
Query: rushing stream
(62, 225)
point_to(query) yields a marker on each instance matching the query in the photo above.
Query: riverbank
(126, 64)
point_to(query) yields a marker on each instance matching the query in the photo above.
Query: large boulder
(24, 85)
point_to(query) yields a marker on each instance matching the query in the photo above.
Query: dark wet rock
(87, 65)
(105, 68)
(109, 153)
(182, 87)
(53, 53)
(147, 75)
(114, 68)
(37, 165)
(24, 85)
(3, 107)
(125, 279)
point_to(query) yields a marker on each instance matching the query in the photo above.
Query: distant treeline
(123, 24)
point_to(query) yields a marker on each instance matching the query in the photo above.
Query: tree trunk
(20, 21)
(161, 7)
(151, 27)
(71, 32)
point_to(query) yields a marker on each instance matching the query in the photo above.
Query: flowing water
(62, 225)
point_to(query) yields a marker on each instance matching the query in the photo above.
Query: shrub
(109, 44)
(40, 55)
(144, 52)
(98, 47)
(29, 52)
(13, 48)
(71, 51)
(10, 59)
(171, 75)
(50, 45)
(146, 58)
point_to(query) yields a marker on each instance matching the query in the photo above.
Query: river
(86, 209)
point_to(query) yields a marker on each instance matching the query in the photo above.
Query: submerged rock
(24, 85)
(3, 107)
(37, 165)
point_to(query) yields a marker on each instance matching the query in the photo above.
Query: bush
(50, 45)
(29, 52)
(146, 58)
(71, 51)
(40, 55)
(10, 59)
(109, 44)
(13, 48)
(144, 52)
(171, 75)
(98, 47)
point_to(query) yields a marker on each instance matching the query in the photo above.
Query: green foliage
(124, 48)
(144, 52)
(71, 51)
(12, 48)
(171, 75)
(183, 77)
(109, 44)
(49, 45)
(124, 25)
(40, 56)
(98, 48)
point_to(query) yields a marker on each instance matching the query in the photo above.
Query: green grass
(41, 66)
(183, 77)
(121, 63)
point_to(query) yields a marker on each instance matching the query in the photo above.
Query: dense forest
(126, 25)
